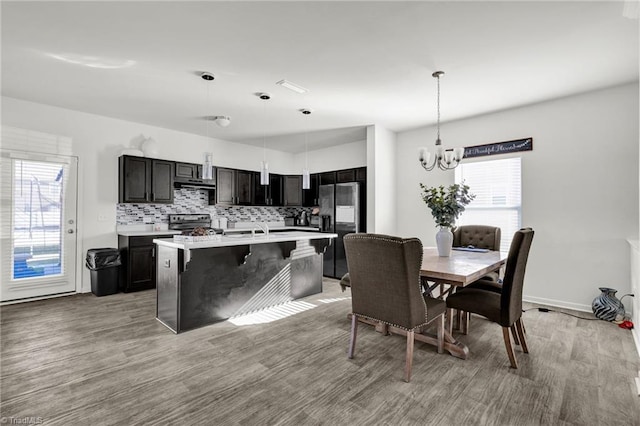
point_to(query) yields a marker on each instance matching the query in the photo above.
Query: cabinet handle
(153, 252)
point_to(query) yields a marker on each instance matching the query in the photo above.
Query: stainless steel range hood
(195, 183)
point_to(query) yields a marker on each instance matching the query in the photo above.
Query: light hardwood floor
(83, 360)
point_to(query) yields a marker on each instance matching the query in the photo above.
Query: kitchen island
(203, 282)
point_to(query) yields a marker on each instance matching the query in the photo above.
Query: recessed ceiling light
(292, 86)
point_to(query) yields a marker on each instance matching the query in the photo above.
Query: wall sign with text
(499, 148)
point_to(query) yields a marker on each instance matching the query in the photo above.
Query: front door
(38, 244)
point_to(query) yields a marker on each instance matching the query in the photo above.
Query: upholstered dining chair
(503, 307)
(385, 287)
(479, 236)
(491, 285)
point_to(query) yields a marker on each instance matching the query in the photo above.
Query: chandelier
(445, 159)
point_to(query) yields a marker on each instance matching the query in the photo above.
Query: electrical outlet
(102, 217)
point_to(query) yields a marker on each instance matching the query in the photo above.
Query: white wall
(98, 141)
(580, 188)
(345, 156)
(381, 180)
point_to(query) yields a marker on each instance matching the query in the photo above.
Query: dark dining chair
(503, 307)
(479, 236)
(385, 287)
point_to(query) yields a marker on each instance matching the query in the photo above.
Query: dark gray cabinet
(244, 187)
(268, 195)
(311, 196)
(234, 187)
(188, 171)
(345, 176)
(138, 256)
(292, 190)
(162, 181)
(145, 180)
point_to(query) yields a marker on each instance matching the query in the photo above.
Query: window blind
(497, 185)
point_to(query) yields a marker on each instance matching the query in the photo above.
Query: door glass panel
(37, 218)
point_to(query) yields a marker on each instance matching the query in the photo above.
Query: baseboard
(33, 299)
(558, 303)
(636, 338)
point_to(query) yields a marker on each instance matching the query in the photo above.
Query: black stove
(188, 222)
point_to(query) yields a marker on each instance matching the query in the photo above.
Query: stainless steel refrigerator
(340, 214)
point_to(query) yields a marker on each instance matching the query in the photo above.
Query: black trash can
(104, 266)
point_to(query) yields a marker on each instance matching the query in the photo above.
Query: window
(497, 187)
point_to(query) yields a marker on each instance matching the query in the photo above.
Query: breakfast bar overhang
(201, 283)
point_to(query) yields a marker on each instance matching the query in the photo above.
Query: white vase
(444, 241)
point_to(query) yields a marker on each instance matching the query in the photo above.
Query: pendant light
(264, 167)
(306, 179)
(444, 159)
(207, 164)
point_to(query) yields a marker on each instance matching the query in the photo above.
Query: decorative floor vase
(607, 306)
(444, 242)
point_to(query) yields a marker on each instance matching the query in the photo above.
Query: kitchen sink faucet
(262, 226)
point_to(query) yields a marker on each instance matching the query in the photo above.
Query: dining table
(449, 273)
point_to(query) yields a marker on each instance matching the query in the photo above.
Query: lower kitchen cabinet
(138, 257)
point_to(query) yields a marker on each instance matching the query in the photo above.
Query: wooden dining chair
(505, 306)
(385, 287)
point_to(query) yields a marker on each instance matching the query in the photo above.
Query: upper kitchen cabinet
(345, 176)
(310, 197)
(244, 187)
(188, 171)
(327, 178)
(292, 190)
(145, 180)
(268, 195)
(234, 187)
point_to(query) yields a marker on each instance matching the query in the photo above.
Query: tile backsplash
(187, 200)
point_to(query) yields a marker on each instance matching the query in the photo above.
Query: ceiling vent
(292, 86)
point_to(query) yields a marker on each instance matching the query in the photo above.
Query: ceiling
(363, 62)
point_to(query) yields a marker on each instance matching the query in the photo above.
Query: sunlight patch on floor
(334, 299)
(274, 313)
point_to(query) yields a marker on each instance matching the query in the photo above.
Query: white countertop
(146, 233)
(245, 239)
(275, 229)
